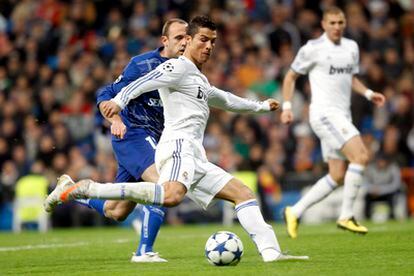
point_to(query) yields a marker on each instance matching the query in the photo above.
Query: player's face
(176, 40)
(202, 45)
(334, 26)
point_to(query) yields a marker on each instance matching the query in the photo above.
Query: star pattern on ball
(224, 248)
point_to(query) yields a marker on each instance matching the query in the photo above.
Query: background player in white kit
(180, 157)
(331, 62)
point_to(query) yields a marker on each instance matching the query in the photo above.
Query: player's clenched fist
(378, 99)
(110, 108)
(274, 105)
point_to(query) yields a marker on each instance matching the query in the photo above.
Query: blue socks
(152, 218)
(96, 204)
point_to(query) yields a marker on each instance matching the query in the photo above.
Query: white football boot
(148, 257)
(272, 255)
(66, 189)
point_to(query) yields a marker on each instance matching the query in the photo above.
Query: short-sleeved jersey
(186, 95)
(146, 111)
(330, 67)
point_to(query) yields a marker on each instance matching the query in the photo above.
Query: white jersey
(186, 94)
(330, 67)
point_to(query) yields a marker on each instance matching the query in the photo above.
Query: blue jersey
(143, 118)
(146, 111)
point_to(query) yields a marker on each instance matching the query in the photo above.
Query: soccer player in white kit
(180, 157)
(331, 62)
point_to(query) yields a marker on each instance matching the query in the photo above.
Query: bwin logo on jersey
(340, 70)
(201, 94)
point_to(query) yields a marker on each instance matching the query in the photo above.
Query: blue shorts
(135, 153)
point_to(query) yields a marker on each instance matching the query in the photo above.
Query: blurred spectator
(382, 182)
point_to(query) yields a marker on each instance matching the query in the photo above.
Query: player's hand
(118, 128)
(110, 108)
(274, 105)
(287, 116)
(378, 99)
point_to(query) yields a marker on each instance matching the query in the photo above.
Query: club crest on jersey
(201, 94)
(167, 66)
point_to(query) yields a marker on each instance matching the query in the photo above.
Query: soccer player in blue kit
(136, 131)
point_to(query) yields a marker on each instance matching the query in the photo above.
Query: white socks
(262, 234)
(319, 191)
(141, 192)
(352, 182)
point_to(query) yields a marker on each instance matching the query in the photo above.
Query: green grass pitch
(388, 249)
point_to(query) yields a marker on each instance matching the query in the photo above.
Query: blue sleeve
(130, 73)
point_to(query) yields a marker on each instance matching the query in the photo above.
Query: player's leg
(135, 155)
(213, 182)
(321, 189)
(250, 217)
(176, 174)
(357, 154)
(152, 217)
(117, 210)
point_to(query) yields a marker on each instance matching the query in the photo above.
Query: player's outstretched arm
(288, 89)
(227, 101)
(166, 74)
(377, 98)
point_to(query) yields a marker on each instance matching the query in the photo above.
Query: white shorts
(333, 131)
(183, 161)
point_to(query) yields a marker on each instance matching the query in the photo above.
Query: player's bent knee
(245, 194)
(118, 210)
(118, 216)
(173, 199)
(363, 158)
(174, 193)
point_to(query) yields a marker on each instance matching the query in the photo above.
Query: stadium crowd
(55, 54)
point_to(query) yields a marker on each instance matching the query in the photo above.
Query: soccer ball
(224, 248)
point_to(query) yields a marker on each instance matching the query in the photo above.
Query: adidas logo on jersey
(340, 70)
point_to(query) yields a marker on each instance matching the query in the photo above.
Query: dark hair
(168, 23)
(200, 21)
